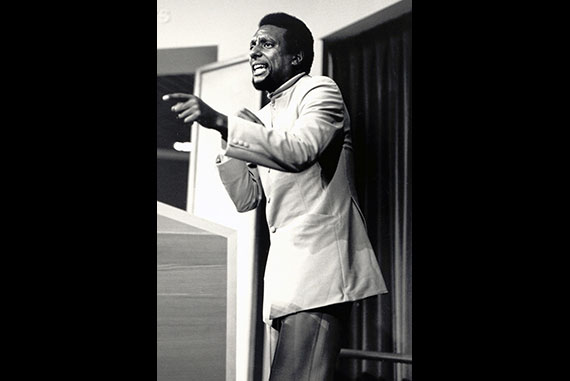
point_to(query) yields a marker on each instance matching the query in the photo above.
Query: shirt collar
(290, 82)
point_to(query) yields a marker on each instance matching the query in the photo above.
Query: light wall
(229, 24)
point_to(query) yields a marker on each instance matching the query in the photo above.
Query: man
(320, 259)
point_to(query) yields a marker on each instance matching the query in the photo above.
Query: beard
(267, 84)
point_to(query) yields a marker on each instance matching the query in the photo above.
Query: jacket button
(268, 200)
(273, 229)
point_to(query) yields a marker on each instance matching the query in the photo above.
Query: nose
(254, 52)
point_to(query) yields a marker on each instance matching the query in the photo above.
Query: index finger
(176, 96)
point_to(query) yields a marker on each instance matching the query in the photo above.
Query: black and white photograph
(284, 190)
(283, 176)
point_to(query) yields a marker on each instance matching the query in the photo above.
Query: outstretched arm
(192, 109)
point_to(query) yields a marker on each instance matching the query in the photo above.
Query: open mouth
(259, 69)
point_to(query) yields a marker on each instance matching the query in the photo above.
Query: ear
(297, 58)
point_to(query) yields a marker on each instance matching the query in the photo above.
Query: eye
(268, 44)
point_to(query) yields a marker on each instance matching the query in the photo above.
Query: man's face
(271, 65)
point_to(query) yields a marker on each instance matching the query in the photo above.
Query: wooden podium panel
(193, 307)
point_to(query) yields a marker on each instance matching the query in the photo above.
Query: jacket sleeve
(320, 118)
(241, 182)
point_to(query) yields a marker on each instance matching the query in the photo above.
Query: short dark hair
(298, 36)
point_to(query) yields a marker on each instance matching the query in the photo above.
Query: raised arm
(320, 118)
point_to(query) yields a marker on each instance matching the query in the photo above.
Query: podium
(196, 309)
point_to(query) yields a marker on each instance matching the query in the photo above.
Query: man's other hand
(248, 115)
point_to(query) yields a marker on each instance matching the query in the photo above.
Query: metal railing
(373, 355)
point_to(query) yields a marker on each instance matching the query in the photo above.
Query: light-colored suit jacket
(320, 253)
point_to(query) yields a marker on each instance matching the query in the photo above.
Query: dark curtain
(374, 73)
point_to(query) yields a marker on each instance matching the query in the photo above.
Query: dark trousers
(309, 343)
